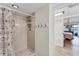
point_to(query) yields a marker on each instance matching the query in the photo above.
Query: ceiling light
(15, 6)
(60, 13)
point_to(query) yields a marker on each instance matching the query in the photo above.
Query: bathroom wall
(20, 33)
(42, 32)
(31, 33)
(51, 30)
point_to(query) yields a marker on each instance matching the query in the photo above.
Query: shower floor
(25, 53)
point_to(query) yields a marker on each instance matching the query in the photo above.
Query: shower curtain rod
(1, 6)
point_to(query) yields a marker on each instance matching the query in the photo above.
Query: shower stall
(16, 35)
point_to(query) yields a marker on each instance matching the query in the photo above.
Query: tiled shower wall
(20, 33)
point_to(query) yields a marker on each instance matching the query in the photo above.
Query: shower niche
(31, 33)
(29, 23)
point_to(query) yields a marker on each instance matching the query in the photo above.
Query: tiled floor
(71, 48)
(24, 53)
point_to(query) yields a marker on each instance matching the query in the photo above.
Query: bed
(68, 35)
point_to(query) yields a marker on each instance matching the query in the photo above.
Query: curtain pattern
(6, 32)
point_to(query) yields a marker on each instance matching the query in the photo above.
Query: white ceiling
(27, 8)
(62, 5)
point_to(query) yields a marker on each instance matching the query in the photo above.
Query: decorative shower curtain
(6, 32)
